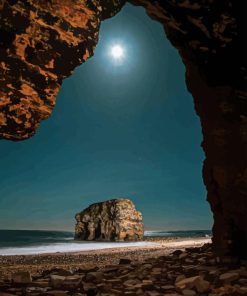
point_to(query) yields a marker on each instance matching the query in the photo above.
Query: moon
(117, 52)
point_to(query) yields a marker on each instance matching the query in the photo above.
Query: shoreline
(37, 263)
(86, 246)
(175, 268)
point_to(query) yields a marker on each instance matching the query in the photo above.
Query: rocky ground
(191, 271)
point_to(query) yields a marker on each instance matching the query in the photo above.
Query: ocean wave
(178, 233)
(69, 247)
(157, 233)
(57, 238)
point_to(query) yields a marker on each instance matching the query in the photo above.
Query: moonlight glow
(117, 52)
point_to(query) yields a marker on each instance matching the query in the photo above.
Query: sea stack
(111, 220)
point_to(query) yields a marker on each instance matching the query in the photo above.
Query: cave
(41, 44)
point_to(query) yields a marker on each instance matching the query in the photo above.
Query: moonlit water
(70, 247)
(27, 242)
(179, 233)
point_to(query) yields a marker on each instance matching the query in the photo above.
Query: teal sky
(124, 129)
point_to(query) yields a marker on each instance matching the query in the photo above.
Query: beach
(172, 267)
(100, 257)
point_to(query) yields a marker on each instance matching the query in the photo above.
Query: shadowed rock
(41, 44)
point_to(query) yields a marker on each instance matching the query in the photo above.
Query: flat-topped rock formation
(111, 220)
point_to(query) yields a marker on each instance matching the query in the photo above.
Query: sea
(28, 242)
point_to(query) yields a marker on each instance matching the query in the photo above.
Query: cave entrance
(120, 128)
(137, 125)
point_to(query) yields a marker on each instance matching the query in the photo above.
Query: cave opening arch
(129, 112)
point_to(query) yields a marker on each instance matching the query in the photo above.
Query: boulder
(124, 261)
(188, 292)
(229, 277)
(111, 220)
(22, 277)
(193, 282)
(57, 280)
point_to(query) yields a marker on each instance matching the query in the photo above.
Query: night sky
(120, 128)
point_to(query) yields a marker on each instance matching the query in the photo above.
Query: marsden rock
(111, 220)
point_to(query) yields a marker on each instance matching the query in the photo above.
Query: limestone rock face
(211, 39)
(111, 220)
(41, 44)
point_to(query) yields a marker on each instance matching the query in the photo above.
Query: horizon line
(64, 230)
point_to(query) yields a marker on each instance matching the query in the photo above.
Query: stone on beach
(202, 286)
(193, 282)
(35, 290)
(187, 283)
(188, 292)
(72, 282)
(22, 277)
(124, 261)
(94, 277)
(56, 293)
(229, 277)
(61, 271)
(57, 280)
(183, 255)
(162, 275)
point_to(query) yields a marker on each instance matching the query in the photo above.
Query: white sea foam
(157, 233)
(69, 247)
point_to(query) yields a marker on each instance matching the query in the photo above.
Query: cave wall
(211, 39)
(42, 42)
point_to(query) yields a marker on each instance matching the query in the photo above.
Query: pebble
(124, 261)
(183, 255)
(22, 277)
(187, 283)
(183, 273)
(229, 277)
(188, 292)
(56, 280)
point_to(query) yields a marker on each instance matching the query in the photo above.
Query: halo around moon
(117, 52)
